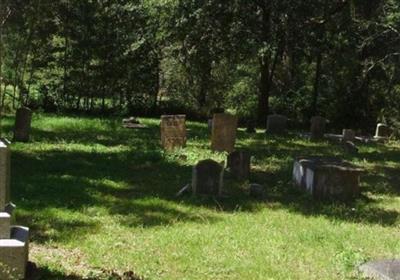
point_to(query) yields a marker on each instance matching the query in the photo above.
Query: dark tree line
(339, 59)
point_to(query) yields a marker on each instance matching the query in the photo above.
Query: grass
(100, 201)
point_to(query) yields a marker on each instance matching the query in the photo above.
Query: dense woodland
(339, 59)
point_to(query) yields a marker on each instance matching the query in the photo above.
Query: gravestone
(327, 178)
(207, 178)
(23, 119)
(173, 131)
(318, 125)
(348, 135)
(382, 131)
(276, 124)
(239, 164)
(381, 270)
(223, 135)
(14, 241)
(5, 172)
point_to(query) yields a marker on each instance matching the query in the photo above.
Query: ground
(100, 201)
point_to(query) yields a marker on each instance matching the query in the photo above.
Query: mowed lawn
(100, 199)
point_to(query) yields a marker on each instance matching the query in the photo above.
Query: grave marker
(173, 131)
(207, 178)
(318, 125)
(223, 135)
(22, 128)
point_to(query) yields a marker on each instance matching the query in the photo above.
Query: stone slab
(327, 178)
(223, 135)
(382, 270)
(173, 131)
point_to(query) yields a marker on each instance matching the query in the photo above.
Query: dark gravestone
(318, 125)
(382, 131)
(22, 128)
(239, 164)
(327, 178)
(350, 147)
(276, 124)
(348, 135)
(223, 136)
(173, 131)
(382, 270)
(207, 178)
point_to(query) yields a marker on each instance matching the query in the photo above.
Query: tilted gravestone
(348, 135)
(239, 164)
(207, 178)
(318, 125)
(382, 131)
(327, 178)
(14, 240)
(23, 119)
(381, 270)
(276, 124)
(173, 131)
(223, 135)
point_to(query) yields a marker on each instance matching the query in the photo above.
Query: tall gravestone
(318, 126)
(207, 178)
(239, 164)
(5, 172)
(23, 119)
(276, 124)
(173, 131)
(223, 135)
(14, 240)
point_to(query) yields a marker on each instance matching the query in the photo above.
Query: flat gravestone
(382, 131)
(239, 164)
(23, 119)
(207, 178)
(317, 129)
(348, 135)
(382, 270)
(276, 124)
(5, 172)
(223, 135)
(327, 178)
(173, 131)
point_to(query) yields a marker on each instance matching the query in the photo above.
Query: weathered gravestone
(318, 125)
(276, 124)
(23, 119)
(348, 135)
(173, 131)
(239, 164)
(223, 135)
(382, 131)
(5, 172)
(14, 241)
(327, 178)
(381, 270)
(207, 178)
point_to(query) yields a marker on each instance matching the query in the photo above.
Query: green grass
(99, 198)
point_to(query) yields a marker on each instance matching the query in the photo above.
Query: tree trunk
(314, 109)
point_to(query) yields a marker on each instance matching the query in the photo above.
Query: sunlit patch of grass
(98, 196)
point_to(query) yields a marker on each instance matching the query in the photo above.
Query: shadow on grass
(43, 273)
(137, 186)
